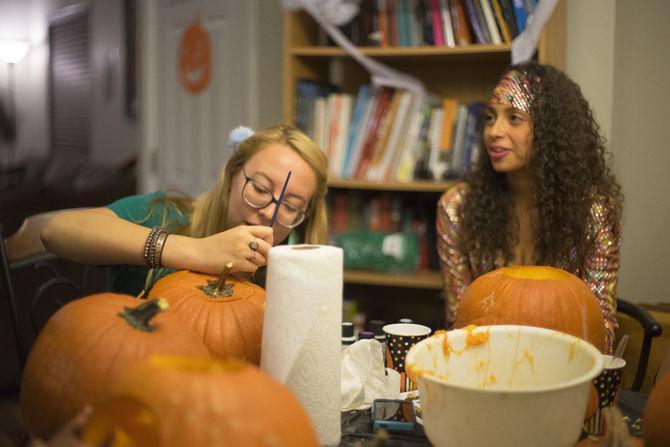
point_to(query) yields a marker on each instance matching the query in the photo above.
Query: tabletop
(357, 426)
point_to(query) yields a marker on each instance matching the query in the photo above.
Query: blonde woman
(229, 222)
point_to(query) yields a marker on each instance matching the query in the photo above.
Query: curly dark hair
(568, 170)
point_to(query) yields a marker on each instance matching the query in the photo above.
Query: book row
(385, 134)
(373, 213)
(415, 23)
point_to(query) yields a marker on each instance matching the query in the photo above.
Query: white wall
(25, 20)
(618, 52)
(641, 142)
(113, 135)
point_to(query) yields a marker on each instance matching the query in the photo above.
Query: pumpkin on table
(226, 312)
(656, 415)
(85, 345)
(534, 296)
(181, 401)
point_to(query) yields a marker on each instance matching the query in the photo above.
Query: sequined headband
(513, 89)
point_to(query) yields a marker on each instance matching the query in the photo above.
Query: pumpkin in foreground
(171, 401)
(225, 312)
(85, 345)
(534, 296)
(656, 416)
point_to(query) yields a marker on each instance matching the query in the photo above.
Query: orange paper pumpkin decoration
(181, 401)
(194, 59)
(534, 296)
(85, 345)
(226, 313)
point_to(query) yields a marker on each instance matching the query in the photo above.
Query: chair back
(36, 283)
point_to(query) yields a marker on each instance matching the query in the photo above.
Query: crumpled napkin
(363, 378)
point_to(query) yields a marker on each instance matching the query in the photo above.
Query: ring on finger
(253, 245)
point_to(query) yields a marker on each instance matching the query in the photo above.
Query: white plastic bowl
(521, 386)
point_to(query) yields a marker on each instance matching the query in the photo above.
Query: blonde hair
(210, 209)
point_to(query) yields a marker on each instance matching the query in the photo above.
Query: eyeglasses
(258, 196)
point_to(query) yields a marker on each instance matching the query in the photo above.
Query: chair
(36, 282)
(650, 329)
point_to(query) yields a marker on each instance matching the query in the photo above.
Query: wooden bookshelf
(416, 186)
(465, 73)
(418, 280)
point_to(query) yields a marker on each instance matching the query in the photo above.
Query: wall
(25, 20)
(617, 52)
(640, 140)
(113, 135)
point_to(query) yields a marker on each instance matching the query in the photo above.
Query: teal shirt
(130, 279)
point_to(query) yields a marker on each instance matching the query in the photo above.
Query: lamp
(12, 52)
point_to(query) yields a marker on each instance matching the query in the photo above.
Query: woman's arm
(601, 267)
(453, 263)
(99, 236)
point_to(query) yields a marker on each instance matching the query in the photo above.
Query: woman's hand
(245, 246)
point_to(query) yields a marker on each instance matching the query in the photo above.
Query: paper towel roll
(302, 329)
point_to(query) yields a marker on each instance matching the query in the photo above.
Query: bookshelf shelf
(418, 280)
(417, 186)
(469, 50)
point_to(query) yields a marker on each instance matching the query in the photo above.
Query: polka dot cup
(607, 387)
(399, 338)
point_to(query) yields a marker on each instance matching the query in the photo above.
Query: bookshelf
(466, 73)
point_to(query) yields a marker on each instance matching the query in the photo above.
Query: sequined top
(600, 270)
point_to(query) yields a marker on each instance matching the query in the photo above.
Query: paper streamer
(524, 45)
(302, 329)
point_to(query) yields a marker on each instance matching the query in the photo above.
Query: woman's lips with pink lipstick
(496, 152)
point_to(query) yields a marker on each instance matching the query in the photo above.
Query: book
(341, 133)
(474, 116)
(438, 31)
(403, 24)
(447, 27)
(361, 133)
(392, 23)
(354, 127)
(397, 118)
(307, 90)
(382, 19)
(510, 18)
(482, 21)
(459, 141)
(404, 171)
(502, 24)
(382, 101)
(460, 22)
(490, 22)
(383, 132)
(320, 123)
(521, 14)
(436, 164)
(398, 135)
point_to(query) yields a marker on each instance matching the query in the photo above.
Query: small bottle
(347, 334)
(366, 335)
(377, 328)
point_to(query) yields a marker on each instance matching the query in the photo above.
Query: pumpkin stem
(140, 316)
(219, 288)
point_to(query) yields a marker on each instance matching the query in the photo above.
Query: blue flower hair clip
(238, 135)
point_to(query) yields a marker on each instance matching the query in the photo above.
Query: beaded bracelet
(153, 247)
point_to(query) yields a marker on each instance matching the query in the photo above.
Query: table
(357, 427)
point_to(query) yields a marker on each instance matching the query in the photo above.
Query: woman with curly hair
(542, 194)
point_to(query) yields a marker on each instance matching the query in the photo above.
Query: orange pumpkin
(225, 312)
(534, 296)
(656, 416)
(85, 345)
(181, 401)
